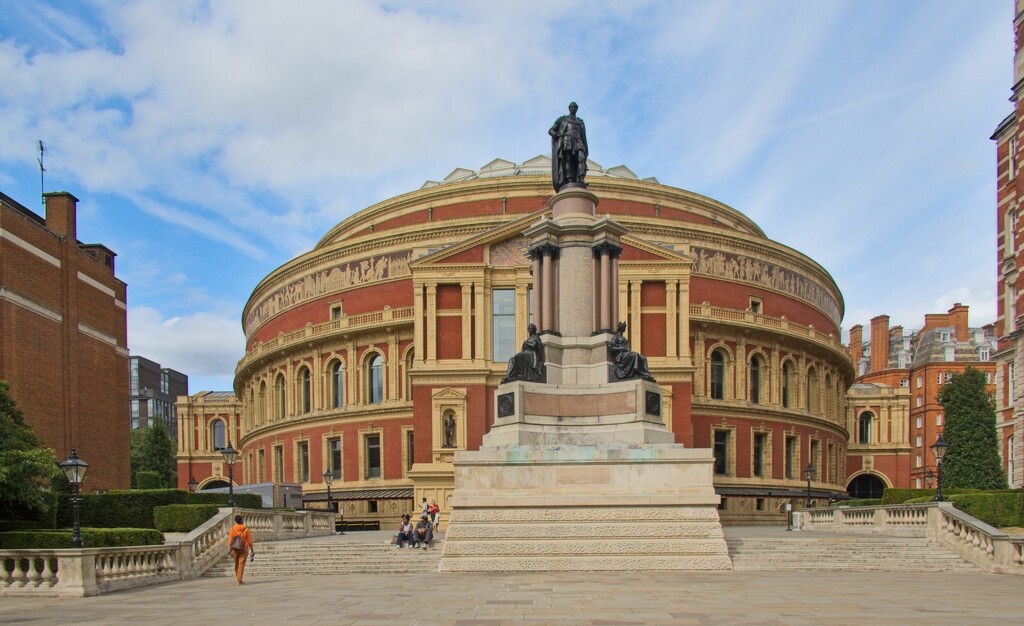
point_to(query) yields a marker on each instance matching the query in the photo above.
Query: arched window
(829, 396)
(337, 385)
(864, 428)
(755, 379)
(218, 434)
(786, 376)
(261, 408)
(304, 390)
(812, 391)
(279, 395)
(717, 375)
(408, 378)
(252, 407)
(376, 380)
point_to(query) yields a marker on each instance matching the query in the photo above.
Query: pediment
(448, 394)
(503, 241)
(651, 251)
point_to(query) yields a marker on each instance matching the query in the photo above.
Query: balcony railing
(706, 311)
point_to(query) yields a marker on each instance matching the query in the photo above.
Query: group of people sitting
(416, 536)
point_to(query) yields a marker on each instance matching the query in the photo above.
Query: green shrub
(91, 537)
(900, 496)
(148, 479)
(135, 508)
(858, 502)
(995, 509)
(182, 518)
(9, 525)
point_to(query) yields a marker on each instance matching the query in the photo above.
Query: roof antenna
(42, 169)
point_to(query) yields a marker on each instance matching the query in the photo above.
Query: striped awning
(396, 493)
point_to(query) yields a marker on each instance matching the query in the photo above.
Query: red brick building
(403, 317)
(893, 413)
(63, 337)
(1009, 279)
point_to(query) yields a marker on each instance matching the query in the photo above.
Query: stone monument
(579, 472)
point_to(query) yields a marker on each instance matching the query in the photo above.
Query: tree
(26, 467)
(972, 459)
(153, 451)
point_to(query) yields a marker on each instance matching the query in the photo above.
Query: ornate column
(549, 253)
(481, 315)
(615, 286)
(430, 335)
(634, 314)
(418, 325)
(467, 321)
(671, 318)
(538, 287)
(393, 360)
(603, 299)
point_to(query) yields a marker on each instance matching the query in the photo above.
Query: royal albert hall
(374, 357)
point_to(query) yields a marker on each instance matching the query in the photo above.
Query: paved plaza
(598, 598)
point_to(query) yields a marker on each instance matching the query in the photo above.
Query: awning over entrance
(397, 493)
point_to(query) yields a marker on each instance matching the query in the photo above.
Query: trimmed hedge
(182, 518)
(995, 509)
(91, 537)
(119, 509)
(10, 525)
(900, 496)
(148, 479)
(858, 502)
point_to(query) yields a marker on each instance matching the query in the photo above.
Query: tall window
(261, 408)
(304, 389)
(337, 385)
(503, 324)
(303, 454)
(278, 464)
(755, 379)
(373, 456)
(261, 470)
(760, 447)
(219, 434)
(279, 395)
(791, 457)
(864, 428)
(721, 451)
(717, 375)
(376, 379)
(812, 391)
(334, 450)
(785, 384)
(815, 456)
(409, 449)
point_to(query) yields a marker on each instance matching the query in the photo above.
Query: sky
(211, 142)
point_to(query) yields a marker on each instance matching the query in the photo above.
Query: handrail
(93, 571)
(987, 547)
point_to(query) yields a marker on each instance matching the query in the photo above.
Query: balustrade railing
(92, 571)
(987, 547)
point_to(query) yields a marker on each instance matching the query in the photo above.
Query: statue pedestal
(580, 508)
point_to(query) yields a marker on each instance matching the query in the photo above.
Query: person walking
(240, 545)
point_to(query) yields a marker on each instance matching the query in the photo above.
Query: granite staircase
(334, 555)
(866, 553)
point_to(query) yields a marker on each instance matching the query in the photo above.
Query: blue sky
(210, 142)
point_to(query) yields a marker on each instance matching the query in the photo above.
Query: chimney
(958, 320)
(61, 218)
(856, 344)
(879, 343)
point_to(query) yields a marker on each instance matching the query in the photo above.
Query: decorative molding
(21, 243)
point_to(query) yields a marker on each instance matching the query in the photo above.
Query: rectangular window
(373, 456)
(947, 376)
(983, 354)
(503, 324)
(371, 506)
(303, 454)
(944, 335)
(919, 382)
(938, 419)
(755, 305)
(760, 445)
(721, 451)
(918, 461)
(336, 312)
(918, 441)
(334, 446)
(815, 456)
(760, 504)
(919, 421)
(938, 378)
(791, 456)
(261, 470)
(278, 464)
(409, 450)
(904, 382)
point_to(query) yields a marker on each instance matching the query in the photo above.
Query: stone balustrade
(92, 571)
(987, 547)
(706, 311)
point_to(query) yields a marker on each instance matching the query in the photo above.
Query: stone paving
(593, 598)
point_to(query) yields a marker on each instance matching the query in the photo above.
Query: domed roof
(538, 165)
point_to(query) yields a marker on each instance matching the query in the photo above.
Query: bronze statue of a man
(569, 150)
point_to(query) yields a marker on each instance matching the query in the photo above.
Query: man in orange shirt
(240, 542)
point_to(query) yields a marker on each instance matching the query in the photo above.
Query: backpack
(237, 543)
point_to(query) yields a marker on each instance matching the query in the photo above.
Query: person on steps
(240, 546)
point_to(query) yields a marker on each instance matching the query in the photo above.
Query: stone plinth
(582, 508)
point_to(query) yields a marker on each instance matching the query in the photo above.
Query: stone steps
(869, 553)
(285, 558)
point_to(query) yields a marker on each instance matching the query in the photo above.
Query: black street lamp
(929, 478)
(230, 456)
(939, 450)
(328, 479)
(192, 484)
(808, 474)
(74, 469)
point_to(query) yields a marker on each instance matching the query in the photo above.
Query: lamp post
(808, 474)
(929, 478)
(74, 469)
(939, 450)
(328, 479)
(192, 484)
(230, 456)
